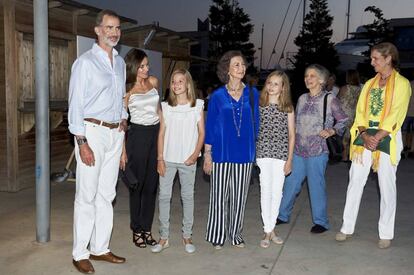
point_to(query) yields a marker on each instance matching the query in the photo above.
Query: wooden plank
(52, 33)
(10, 92)
(54, 4)
(3, 147)
(72, 53)
(59, 69)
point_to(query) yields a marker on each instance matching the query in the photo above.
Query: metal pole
(41, 53)
(348, 14)
(303, 13)
(261, 50)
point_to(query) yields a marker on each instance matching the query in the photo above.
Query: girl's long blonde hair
(172, 98)
(285, 102)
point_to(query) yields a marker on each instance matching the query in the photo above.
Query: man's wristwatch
(81, 140)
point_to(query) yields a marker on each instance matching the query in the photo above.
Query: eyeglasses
(110, 28)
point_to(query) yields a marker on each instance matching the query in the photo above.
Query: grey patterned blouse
(273, 133)
(309, 120)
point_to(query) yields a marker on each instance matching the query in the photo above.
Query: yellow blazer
(393, 121)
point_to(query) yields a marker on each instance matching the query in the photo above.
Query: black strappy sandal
(149, 239)
(138, 238)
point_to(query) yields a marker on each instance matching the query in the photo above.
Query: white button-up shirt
(96, 89)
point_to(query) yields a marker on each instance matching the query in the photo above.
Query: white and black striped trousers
(229, 185)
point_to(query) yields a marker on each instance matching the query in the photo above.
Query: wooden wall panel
(10, 95)
(85, 26)
(59, 19)
(59, 69)
(3, 149)
(26, 74)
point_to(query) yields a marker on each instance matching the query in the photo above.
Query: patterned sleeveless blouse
(273, 133)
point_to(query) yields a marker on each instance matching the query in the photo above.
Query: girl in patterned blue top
(274, 149)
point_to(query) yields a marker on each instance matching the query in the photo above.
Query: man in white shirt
(97, 118)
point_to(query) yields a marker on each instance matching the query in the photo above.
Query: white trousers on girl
(95, 191)
(272, 179)
(358, 175)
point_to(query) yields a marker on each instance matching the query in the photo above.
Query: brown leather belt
(103, 123)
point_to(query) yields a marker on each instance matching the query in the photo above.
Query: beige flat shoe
(276, 239)
(341, 237)
(189, 247)
(240, 245)
(383, 244)
(160, 247)
(265, 242)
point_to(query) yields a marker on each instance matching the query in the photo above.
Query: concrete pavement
(302, 253)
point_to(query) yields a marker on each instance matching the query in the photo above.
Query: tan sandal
(275, 238)
(265, 242)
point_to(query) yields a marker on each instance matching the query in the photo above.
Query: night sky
(181, 15)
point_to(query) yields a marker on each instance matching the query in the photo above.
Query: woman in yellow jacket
(376, 141)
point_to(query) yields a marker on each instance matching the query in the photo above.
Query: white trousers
(95, 191)
(358, 175)
(272, 179)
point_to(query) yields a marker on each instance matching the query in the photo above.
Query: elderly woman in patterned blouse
(311, 151)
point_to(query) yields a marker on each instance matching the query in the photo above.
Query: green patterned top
(376, 101)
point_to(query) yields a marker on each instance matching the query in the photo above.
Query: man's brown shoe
(108, 257)
(84, 266)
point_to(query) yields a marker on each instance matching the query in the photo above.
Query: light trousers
(229, 185)
(187, 179)
(358, 175)
(95, 191)
(272, 178)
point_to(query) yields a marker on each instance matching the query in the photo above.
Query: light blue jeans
(187, 179)
(312, 168)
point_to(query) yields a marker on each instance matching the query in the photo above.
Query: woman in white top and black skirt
(139, 156)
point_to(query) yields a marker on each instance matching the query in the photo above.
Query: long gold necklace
(238, 127)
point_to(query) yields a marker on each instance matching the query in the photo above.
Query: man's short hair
(102, 13)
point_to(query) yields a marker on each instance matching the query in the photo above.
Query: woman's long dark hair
(133, 60)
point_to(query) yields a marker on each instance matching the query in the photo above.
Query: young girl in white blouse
(274, 149)
(180, 140)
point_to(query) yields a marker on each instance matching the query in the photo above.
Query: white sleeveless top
(143, 108)
(181, 132)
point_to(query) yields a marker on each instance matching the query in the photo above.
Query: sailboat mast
(261, 50)
(348, 14)
(304, 12)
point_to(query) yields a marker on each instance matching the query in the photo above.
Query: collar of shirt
(98, 50)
